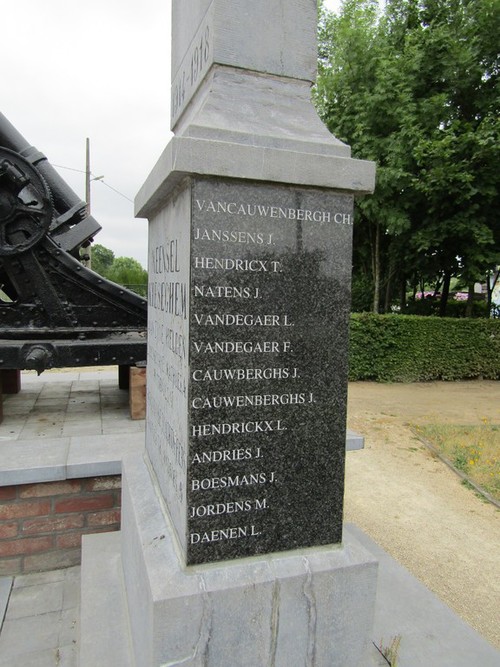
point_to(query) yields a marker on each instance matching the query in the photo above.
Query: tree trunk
(439, 282)
(376, 270)
(470, 300)
(444, 294)
(491, 281)
(387, 296)
(388, 289)
(402, 294)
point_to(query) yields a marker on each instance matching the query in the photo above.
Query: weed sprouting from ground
(391, 651)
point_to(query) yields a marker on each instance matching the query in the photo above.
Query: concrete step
(105, 639)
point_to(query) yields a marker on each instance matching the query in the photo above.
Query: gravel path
(414, 506)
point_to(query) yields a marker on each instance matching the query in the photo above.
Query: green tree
(102, 259)
(125, 271)
(416, 90)
(455, 135)
(128, 271)
(361, 94)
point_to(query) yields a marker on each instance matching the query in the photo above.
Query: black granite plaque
(268, 326)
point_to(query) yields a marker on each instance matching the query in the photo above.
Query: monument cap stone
(277, 37)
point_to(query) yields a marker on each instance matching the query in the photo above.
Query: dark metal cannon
(55, 312)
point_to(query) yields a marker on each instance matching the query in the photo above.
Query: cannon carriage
(55, 312)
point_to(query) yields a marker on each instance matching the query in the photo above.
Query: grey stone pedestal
(310, 608)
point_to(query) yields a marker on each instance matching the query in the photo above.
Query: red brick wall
(41, 525)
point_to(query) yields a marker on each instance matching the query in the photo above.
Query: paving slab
(5, 588)
(29, 634)
(39, 578)
(37, 599)
(78, 427)
(354, 441)
(46, 658)
(102, 454)
(105, 640)
(41, 624)
(33, 460)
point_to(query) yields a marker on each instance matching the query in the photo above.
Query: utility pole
(85, 251)
(87, 174)
(85, 255)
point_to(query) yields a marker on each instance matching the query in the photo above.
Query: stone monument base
(312, 607)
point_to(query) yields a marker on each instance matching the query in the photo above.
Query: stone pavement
(65, 404)
(40, 628)
(70, 423)
(65, 425)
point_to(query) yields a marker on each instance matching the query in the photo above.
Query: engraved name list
(263, 306)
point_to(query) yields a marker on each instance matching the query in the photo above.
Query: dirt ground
(414, 506)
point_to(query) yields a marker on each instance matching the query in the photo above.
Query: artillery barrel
(64, 198)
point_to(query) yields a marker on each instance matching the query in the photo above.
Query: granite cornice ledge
(185, 156)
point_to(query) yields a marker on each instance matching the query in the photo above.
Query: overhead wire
(100, 180)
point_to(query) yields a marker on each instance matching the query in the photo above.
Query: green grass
(474, 450)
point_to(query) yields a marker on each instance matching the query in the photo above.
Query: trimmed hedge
(411, 348)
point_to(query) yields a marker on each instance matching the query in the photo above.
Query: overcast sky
(71, 69)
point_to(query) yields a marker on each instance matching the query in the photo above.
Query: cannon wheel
(26, 209)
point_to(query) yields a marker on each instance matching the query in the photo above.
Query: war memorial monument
(231, 542)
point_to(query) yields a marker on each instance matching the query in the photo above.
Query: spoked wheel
(26, 209)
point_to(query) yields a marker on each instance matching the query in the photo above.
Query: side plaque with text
(269, 304)
(168, 355)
